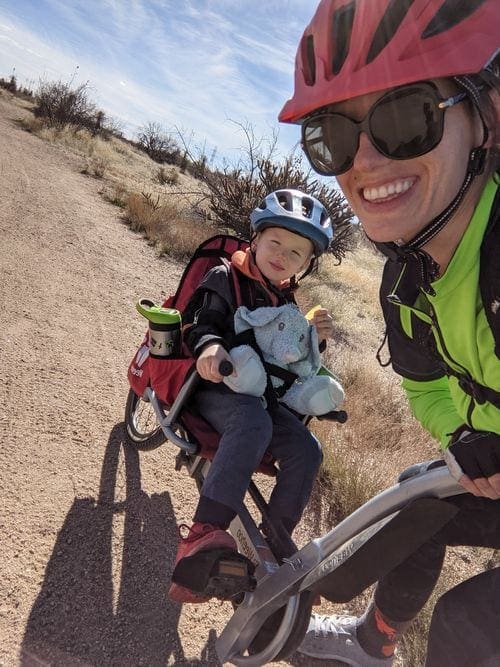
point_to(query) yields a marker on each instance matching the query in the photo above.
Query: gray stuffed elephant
(286, 339)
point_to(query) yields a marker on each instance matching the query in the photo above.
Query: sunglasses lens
(406, 123)
(330, 142)
(402, 124)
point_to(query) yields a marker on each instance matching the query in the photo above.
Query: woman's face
(395, 199)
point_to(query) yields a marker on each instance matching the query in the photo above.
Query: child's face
(280, 254)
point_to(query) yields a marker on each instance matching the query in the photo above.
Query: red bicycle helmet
(355, 47)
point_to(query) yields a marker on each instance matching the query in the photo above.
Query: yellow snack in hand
(310, 313)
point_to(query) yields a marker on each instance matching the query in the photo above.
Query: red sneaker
(201, 537)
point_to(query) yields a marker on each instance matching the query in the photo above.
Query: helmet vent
(307, 208)
(342, 22)
(388, 26)
(450, 14)
(285, 201)
(309, 60)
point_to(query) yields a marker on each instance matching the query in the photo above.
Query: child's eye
(281, 326)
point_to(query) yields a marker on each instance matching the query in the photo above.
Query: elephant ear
(240, 319)
(244, 318)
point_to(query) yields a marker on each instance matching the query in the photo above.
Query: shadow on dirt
(74, 620)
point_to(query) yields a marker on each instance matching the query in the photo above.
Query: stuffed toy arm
(315, 395)
(250, 377)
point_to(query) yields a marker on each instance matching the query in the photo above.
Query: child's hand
(208, 362)
(323, 322)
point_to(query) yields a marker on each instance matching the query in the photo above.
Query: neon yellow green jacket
(461, 335)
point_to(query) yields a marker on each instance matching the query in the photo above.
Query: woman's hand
(209, 360)
(473, 459)
(323, 322)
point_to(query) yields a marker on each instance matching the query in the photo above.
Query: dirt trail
(87, 536)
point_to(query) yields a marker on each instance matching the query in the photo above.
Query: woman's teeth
(389, 190)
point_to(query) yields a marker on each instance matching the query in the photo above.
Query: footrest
(220, 573)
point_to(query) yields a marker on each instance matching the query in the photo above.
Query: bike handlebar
(339, 416)
(225, 367)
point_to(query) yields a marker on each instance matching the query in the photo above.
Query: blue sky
(194, 64)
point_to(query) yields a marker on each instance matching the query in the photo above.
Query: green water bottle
(164, 329)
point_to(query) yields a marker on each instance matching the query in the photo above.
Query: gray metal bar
(320, 557)
(167, 421)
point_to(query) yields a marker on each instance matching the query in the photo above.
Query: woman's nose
(367, 156)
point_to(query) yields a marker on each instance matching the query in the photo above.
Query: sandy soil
(87, 529)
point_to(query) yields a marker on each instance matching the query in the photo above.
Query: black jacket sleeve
(208, 318)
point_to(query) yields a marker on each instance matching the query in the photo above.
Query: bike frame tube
(167, 422)
(316, 560)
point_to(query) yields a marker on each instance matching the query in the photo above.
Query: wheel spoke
(141, 425)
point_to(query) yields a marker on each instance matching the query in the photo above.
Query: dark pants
(465, 626)
(247, 431)
(404, 591)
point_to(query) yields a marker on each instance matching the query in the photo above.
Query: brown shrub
(167, 176)
(174, 231)
(117, 194)
(95, 166)
(138, 212)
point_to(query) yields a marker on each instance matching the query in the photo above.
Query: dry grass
(173, 230)
(116, 194)
(95, 166)
(350, 292)
(167, 176)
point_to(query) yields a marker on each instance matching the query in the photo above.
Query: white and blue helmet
(299, 213)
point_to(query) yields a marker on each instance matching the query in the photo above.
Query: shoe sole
(220, 573)
(352, 662)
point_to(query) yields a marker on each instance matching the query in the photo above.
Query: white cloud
(194, 63)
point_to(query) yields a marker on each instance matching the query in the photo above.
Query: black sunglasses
(404, 123)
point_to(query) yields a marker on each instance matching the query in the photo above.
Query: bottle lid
(157, 314)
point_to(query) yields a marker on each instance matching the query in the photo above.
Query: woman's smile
(390, 190)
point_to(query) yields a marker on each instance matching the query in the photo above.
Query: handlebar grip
(225, 367)
(339, 416)
(419, 468)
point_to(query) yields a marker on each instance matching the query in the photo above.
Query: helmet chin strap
(429, 269)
